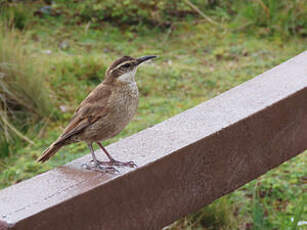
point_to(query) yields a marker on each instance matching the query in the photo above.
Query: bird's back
(106, 110)
(115, 111)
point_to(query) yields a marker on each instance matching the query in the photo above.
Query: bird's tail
(50, 151)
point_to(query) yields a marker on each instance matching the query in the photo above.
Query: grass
(23, 100)
(197, 62)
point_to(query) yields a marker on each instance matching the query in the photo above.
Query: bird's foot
(129, 164)
(99, 166)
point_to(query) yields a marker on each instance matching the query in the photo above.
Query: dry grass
(23, 100)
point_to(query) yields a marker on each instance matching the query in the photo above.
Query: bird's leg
(97, 164)
(93, 154)
(112, 161)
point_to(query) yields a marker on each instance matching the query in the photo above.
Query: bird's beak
(145, 58)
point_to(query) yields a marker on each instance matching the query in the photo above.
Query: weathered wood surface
(183, 163)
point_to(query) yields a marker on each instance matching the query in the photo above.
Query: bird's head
(123, 69)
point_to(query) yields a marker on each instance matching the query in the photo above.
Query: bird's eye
(126, 65)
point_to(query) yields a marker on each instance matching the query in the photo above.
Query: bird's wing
(93, 107)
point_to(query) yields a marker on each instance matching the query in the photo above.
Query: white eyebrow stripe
(118, 66)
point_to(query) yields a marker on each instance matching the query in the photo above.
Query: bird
(104, 113)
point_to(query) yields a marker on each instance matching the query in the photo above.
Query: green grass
(275, 200)
(23, 100)
(197, 62)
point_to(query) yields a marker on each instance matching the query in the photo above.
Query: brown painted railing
(184, 163)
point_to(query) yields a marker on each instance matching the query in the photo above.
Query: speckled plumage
(106, 110)
(117, 112)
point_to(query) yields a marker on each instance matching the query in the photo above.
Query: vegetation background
(53, 53)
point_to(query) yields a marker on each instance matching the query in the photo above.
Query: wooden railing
(184, 163)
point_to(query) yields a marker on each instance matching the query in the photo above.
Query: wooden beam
(184, 163)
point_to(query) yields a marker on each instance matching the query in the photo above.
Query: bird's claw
(97, 166)
(109, 169)
(129, 164)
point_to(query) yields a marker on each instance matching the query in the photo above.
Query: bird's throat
(127, 77)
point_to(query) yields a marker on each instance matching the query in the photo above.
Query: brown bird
(103, 113)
